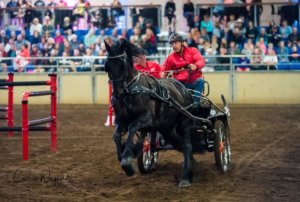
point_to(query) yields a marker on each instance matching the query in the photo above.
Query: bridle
(123, 58)
(125, 84)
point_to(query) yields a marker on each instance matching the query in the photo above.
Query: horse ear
(107, 46)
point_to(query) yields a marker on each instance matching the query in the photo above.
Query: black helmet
(175, 37)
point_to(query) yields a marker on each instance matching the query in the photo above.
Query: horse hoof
(127, 167)
(184, 184)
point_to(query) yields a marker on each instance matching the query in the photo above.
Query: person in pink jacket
(186, 64)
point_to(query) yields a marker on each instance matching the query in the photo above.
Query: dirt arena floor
(265, 154)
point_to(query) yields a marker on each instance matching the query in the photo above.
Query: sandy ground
(265, 154)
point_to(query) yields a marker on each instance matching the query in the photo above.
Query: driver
(186, 62)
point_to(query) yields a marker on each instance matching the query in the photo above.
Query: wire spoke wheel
(146, 156)
(222, 147)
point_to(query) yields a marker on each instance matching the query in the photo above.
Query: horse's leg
(128, 153)
(187, 152)
(117, 138)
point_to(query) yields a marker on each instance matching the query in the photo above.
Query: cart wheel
(146, 157)
(222, 147)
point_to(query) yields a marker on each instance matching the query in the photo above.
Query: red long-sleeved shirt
(177, 61)
(152, 68)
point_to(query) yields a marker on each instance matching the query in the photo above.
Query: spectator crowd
(216, 36)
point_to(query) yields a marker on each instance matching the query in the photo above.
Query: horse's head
(119, 65)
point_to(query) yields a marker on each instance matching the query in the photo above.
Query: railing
(277, 8)
(62, 67)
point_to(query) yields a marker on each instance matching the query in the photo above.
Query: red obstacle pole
(25, 125)
(53, 126)
(110, 116)
(10, 109)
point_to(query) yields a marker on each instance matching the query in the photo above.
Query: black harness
(158, 91)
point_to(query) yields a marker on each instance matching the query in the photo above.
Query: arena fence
(255, 86)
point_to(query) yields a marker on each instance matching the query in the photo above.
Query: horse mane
(124, 45)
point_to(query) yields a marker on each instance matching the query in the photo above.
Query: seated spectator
(247, 51)
(257, 60)
(190, 41)
(204, 35)
(261, 44)
(21, 41)
(150, 44)
(69, 35)
(244, 64)
(76, 61)
(114, 35)
(67, 25)
(251, 32)
(82, 49)
(274, 36)
(225, 32)
(234, 50)
(270, 59)
(47, 25)
(207, 24)
(25, 35)
(239, 23)
(51, 63)
(74, 43)
(200, 45)
(136, 38)
(3, 63)
(90, 38)
(36, 25)
(285, 30)
(3, 38)
(263, 34)
(282, 52)
(223, 60)
(36, 53)
(66, 46)
(294, 54)
(250, 44)
(237, 37)
(224, 43)
(101, 61)
(217, 30)
(214, 43)
(294, 37)
(87, 62)
(50, 45)
(148, 67)
(231, 22)
(35, 38)
(13, 35)
(59, 39)
(19, 62)
(65, 63)
(210, 56)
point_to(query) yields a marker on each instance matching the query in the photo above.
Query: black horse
(143, 103)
